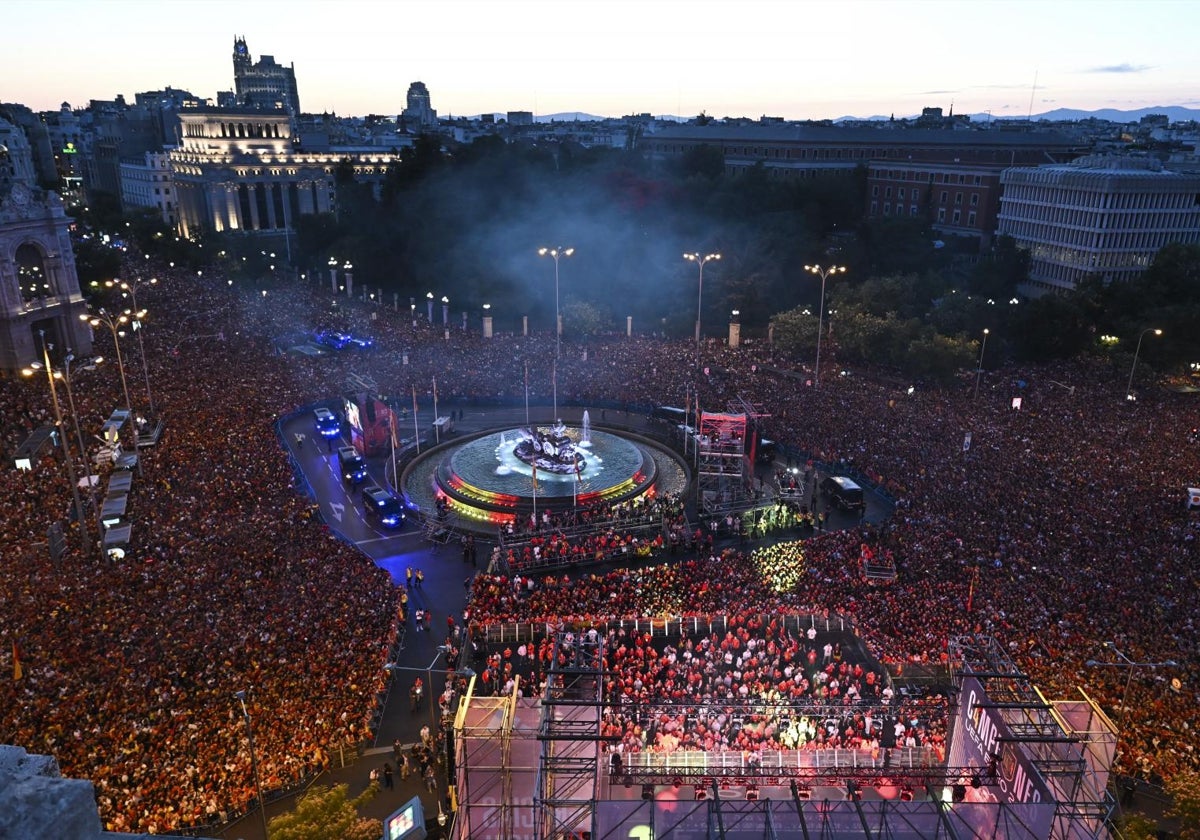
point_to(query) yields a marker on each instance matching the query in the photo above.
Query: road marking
(338, 509)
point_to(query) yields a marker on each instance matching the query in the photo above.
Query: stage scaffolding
(537, 768)
(568, 771)
(1071, 743)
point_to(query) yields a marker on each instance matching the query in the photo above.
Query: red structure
(370, 424)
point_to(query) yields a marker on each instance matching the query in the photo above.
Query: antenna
(1032, 92)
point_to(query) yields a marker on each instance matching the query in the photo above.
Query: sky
(794, 59)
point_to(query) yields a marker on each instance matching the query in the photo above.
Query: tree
(325, 813)
(584, 319)
(1184, 788)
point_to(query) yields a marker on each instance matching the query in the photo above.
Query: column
(487, 326)
(252, 200)
(735, 334)
(629, 326)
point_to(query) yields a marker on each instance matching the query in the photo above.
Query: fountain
(586, 437)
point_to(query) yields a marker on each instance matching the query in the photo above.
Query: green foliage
(704, 161)
(1137, 827)
(1184, 788)
(584, 319)
(326, 813)
(1050, 327)
(95, 262)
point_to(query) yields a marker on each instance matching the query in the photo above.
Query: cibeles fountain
(497, 475)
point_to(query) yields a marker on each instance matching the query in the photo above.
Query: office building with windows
(1100, 215)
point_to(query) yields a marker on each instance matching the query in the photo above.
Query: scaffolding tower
(569, 765)
(1071, 743)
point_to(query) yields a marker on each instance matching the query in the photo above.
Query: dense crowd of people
(1062, 526)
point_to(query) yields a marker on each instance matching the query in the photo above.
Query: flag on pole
(18, 670)
(435, 390)
(392, 425)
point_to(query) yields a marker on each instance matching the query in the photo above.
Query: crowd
(1061, 527)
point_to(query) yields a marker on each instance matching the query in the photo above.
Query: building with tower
(419, 113)
(39, 290)
(264, 85)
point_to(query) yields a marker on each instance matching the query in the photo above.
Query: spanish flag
(18, 671)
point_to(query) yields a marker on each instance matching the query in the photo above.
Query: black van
(843, 492)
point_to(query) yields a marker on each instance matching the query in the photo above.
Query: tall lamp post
(1129, 388)
(1126, 662)
(824, 274)
(979, 366)
(112, 322)
(89, 364)
(262, 805)
(556, 253)
(139, 317)
(700, 261)
(65, 443)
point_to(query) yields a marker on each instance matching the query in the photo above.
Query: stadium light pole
(63, 441)
(824, 274)
(556, 253)
(1129, 397)
(979, 365)
(262, 805)
(700, 261)
(1126, 662)
(112, 322)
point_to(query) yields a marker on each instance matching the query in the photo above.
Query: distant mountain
(1176, 113)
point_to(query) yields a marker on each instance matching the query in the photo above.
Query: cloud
(1121, 68)
(933, 92)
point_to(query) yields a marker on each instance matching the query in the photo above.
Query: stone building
(39, 290)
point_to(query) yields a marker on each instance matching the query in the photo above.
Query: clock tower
(241, 56)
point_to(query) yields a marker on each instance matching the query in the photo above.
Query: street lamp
(979, 366)
(112, 322)
(65, 375)
(429, 306)
(63, 441)
(445, 311)
(262, 805)
(700, 261)
(560, 251)
(1129, 388)
(824, 274)
(1126, 662)
(138, 316)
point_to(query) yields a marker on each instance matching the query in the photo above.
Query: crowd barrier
(786, 763)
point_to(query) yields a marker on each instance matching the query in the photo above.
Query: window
(957, 217)
(913, 210)
(974, 199)
(943, 200)
(958, 198)
(887, 208)
(874, 207)
(971, 219)
(900, 193)
(941, 215)
(887, 192)
(875, 191)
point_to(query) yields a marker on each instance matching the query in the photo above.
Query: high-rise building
(419, 113)
(265, 85)
(1099, 215)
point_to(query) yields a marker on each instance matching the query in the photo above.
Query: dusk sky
(784, 58)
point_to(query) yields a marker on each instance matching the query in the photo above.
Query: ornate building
(264, 85)
(241, 169)
(39, 290)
